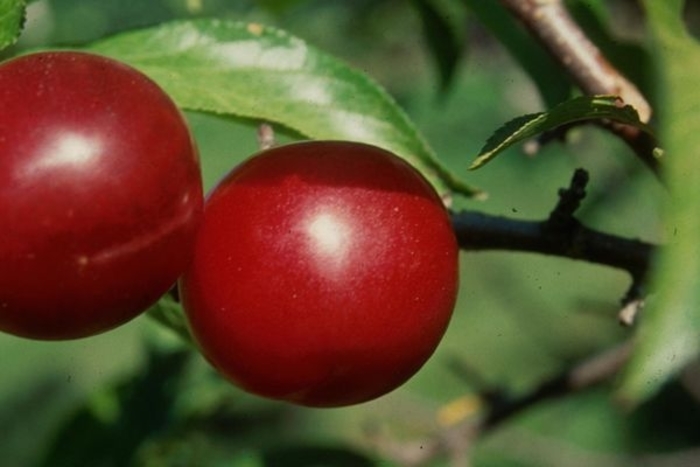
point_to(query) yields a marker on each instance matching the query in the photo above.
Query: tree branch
(552, 25)
(561, 234)
(589, 373)
(492, 407)
(479, 231)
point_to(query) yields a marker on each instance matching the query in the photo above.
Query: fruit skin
(325, 274)
(100, 194)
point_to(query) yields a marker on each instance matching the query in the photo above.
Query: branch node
(632, 304)
(266, 136)
(569, 201)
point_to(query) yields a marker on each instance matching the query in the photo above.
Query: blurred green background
(520, 318)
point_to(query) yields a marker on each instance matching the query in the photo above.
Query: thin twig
(553, 26)
(589, 373)
(455, 439)
(562, 216)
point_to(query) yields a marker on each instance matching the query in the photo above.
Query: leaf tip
(479, 162)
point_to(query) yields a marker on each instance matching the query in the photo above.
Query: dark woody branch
(561, 234)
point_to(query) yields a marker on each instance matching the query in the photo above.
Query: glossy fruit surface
(324, 274)
(100, 194)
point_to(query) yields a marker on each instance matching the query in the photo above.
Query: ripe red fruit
(100, 194)
(324, 274)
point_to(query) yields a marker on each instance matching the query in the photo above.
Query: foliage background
(131, 395)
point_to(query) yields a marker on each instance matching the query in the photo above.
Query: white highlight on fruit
(329, 233)
(70, 150)
(330, 236)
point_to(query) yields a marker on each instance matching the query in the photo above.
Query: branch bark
(553, 26)
(561, 234)
(479, 231)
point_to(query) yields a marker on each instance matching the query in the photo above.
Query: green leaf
(11, 21)
(169, 313)
(256, 72)
(279, 6)
(109, 429)
(574, 110)
(302, 456)
(444, 31)
(669, 334)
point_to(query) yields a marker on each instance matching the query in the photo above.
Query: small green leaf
(11, 21)
(669, 334)
(574, 110)
(256, 72)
